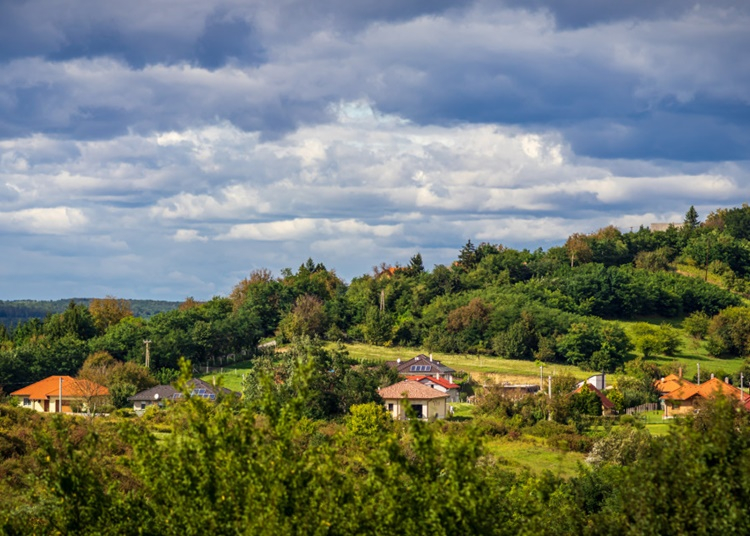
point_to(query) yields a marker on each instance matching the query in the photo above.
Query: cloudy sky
(164, 148)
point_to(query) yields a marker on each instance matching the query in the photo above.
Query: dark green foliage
(691, 218)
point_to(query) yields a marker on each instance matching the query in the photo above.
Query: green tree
(691, 218)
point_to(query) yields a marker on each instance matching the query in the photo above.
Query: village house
(61, 394)
(155, 396)
(688, 397)
(422, 365)
(159, 395)
(670, 383)
(441, 384)
(427, 402)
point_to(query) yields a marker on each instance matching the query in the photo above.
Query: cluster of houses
(65, 394)
(682, 397)
(426, 392)
(428, 389)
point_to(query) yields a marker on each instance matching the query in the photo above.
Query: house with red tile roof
(427, 403)
(689, 396)
(60, 394)
(441, 384)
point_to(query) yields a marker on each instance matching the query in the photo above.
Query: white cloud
(303, 229)
(57, 220)
(188, 235)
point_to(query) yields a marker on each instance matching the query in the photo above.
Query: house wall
(678, 408)
(430, 408)
(36, 405)
(137, 404)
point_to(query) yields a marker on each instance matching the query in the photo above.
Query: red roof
(606, 402)
(439, 381)
(50, 388)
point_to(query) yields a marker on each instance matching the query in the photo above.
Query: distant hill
(15, 311)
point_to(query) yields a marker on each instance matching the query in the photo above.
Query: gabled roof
(411, 390)
(163, 392)
(439, 381)
(197, 387)
(606, 402)
(50, 388)
(671, 383)
(704, 390)
(420, 364)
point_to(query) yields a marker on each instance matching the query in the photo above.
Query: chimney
(398, 360)
(680, 372)
(430, 357)
(712, 375)
(726, 379)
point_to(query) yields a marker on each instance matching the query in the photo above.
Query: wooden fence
(651, 406)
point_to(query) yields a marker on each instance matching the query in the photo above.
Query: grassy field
(483, 367)
(532, 454)
(232, 376)
(479, 366)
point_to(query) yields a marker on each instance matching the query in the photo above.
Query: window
(390, 408)
(143, 405)
(26, 402)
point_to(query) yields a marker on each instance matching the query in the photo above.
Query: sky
(160, 149)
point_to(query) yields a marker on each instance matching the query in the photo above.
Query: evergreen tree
(691, 218)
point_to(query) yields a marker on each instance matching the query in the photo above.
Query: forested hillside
(555, 306)
(14, 312)
(310, 447)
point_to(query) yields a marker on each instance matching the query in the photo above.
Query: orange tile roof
(715, 385)
(410, 389)
(704, 390)
(670, 383)
(50, 388)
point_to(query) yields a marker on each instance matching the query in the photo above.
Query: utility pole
(541, 377)
(148, 352)
(382, 300)
(59, 397)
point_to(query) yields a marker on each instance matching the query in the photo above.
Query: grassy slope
(477, 365)
(691, 353)
(232, 376)
(532, 454)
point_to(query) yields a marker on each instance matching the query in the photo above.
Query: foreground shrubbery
(227, 469)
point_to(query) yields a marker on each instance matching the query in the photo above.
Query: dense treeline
(15, 312)
(268, 468)
(553, 305)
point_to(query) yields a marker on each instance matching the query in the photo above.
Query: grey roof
(164, 392)
(199, 387)
(421, 365)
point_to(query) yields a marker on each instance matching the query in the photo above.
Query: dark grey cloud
(580, 13)
(164, 149)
